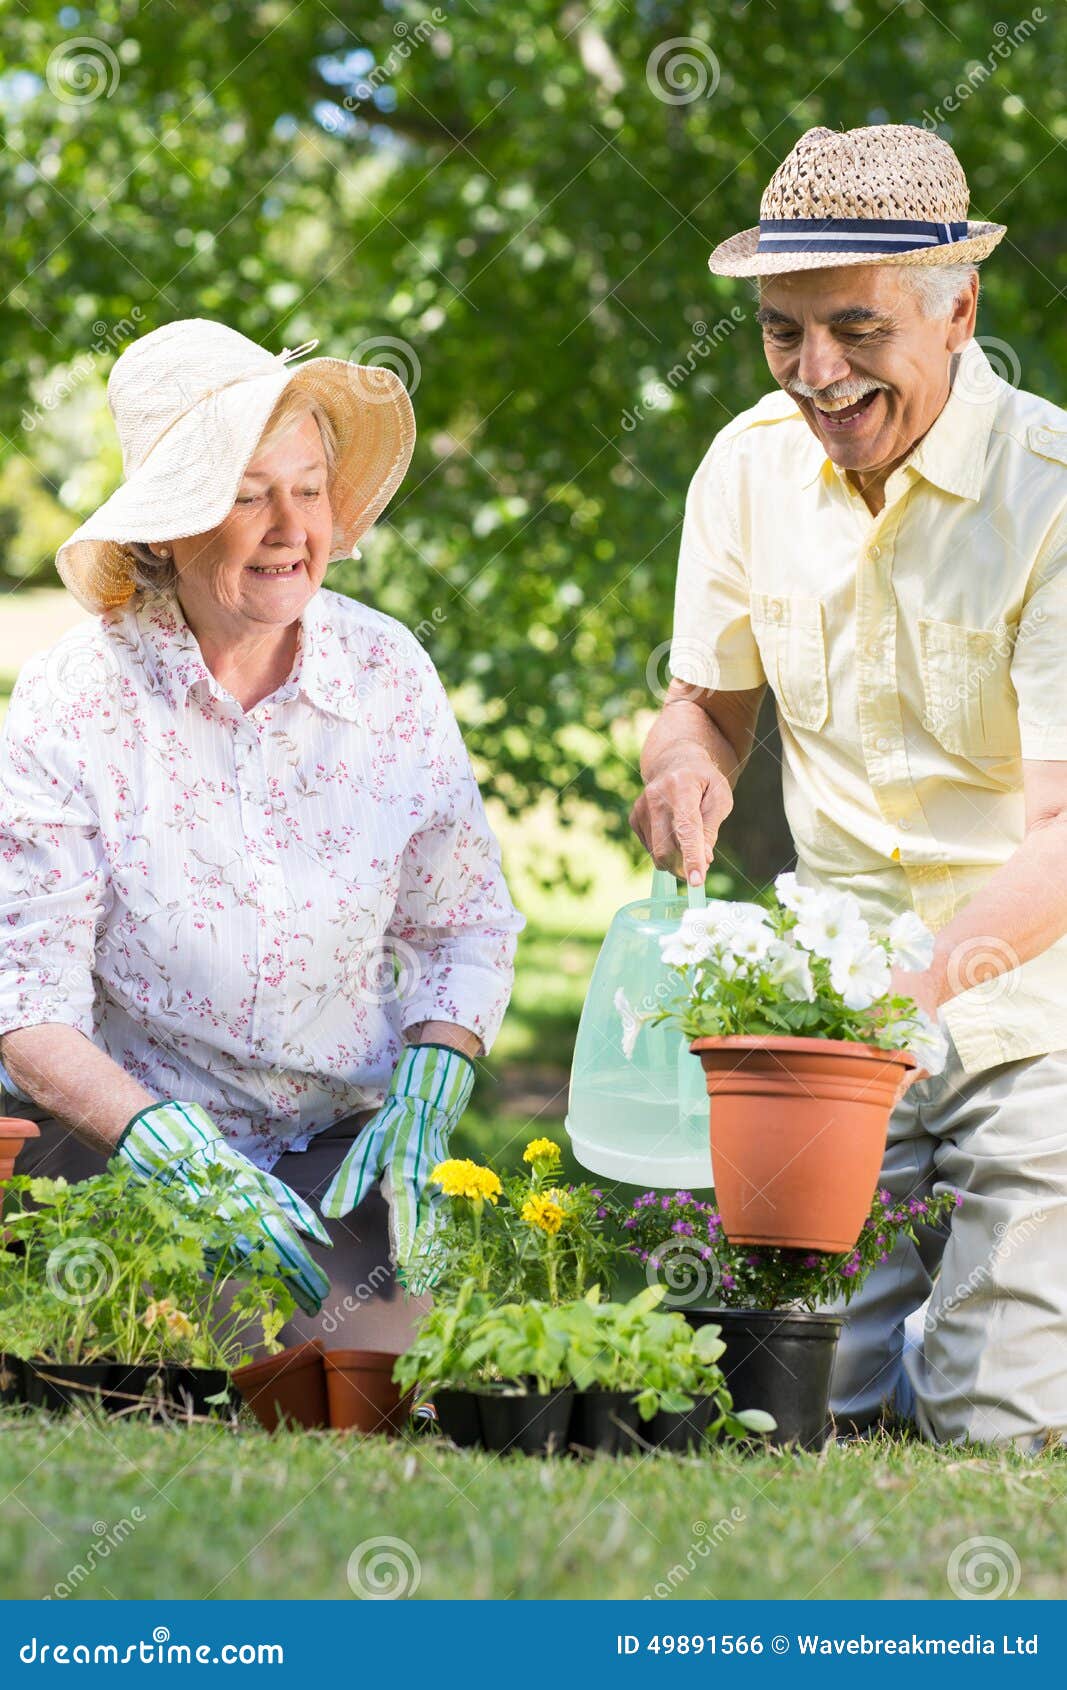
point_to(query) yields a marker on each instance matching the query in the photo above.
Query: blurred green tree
(512, 205)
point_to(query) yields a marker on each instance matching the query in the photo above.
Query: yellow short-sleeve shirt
(916, 658)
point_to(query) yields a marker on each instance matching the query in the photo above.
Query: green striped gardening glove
(174, 1142)
(402, 1143)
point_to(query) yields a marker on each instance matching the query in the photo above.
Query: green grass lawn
(198, 1512)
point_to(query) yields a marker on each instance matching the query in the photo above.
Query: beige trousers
(365, 1310)
(990, 1358)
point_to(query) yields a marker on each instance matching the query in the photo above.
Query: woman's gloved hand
(400, 1145)
(175, 1141)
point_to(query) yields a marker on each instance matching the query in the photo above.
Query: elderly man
(884, 543)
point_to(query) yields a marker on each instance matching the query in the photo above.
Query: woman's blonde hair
(159, 574)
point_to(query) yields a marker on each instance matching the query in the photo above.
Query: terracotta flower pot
(13, 1135)
(287, 1389)
(361, 1392)
(798, 1131)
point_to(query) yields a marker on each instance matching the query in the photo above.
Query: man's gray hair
(936, 286)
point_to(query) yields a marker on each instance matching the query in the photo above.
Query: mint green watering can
(645, 1120)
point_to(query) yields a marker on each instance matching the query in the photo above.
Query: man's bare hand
(678, 816)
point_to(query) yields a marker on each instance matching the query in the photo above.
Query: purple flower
(683, 1227)
(885, 1196)
(683, 1197)
(596, 1193)
(850, 1269)
(644, 1255)
(884, 1257)
(811, 1261)
(600, 1214)
(707, 1254)
(728, 1281)
(959, 1199)
(664, 1202)
(630, 1222)
(753, 1261)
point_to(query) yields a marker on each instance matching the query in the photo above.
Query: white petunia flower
(748, 941)
(791, 895)
(791, 970)
(685, 947)
(912, 942)
(860, 973)
(832, 922)
(632, 1022)
(722, 916)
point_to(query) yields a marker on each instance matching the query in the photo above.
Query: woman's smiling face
(869, 371)
(267, 557)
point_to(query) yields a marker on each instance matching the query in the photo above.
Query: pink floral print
(246, 909)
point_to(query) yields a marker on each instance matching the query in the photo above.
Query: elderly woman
(253, 913)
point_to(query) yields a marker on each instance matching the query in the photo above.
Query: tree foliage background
(512, 202)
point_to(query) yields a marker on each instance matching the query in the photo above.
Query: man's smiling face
(869, 371)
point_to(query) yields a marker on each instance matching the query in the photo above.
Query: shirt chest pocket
(789, 632)
(971, 707)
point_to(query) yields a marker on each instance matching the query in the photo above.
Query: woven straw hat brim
(738, 255)
(188, 483)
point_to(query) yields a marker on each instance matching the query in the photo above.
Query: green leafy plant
(807, 966)
(520, 1236)
(679, 1236)
(653, 1356)
(116, 1269)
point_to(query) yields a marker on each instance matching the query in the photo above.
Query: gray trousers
(992, 1361)
(365, 1310)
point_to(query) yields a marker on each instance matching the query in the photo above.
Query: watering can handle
(665, 887)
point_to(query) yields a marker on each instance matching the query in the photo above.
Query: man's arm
(1019, 912)
(692, 758)
(65, 1073)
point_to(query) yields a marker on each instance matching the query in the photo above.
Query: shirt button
(776, 611)
(881, 743)
(874, 552)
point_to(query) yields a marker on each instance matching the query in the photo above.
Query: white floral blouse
(245, 910)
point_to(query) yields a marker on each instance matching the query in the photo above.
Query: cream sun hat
(889, 194)
(190, 401)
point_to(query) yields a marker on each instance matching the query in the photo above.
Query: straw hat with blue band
(889, 194)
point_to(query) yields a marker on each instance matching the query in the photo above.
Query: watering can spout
(643, 1119)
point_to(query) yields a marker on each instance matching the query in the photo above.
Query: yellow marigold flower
(541, 1150)
(543, 1212)
(180, 1324)
(463, 1178)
